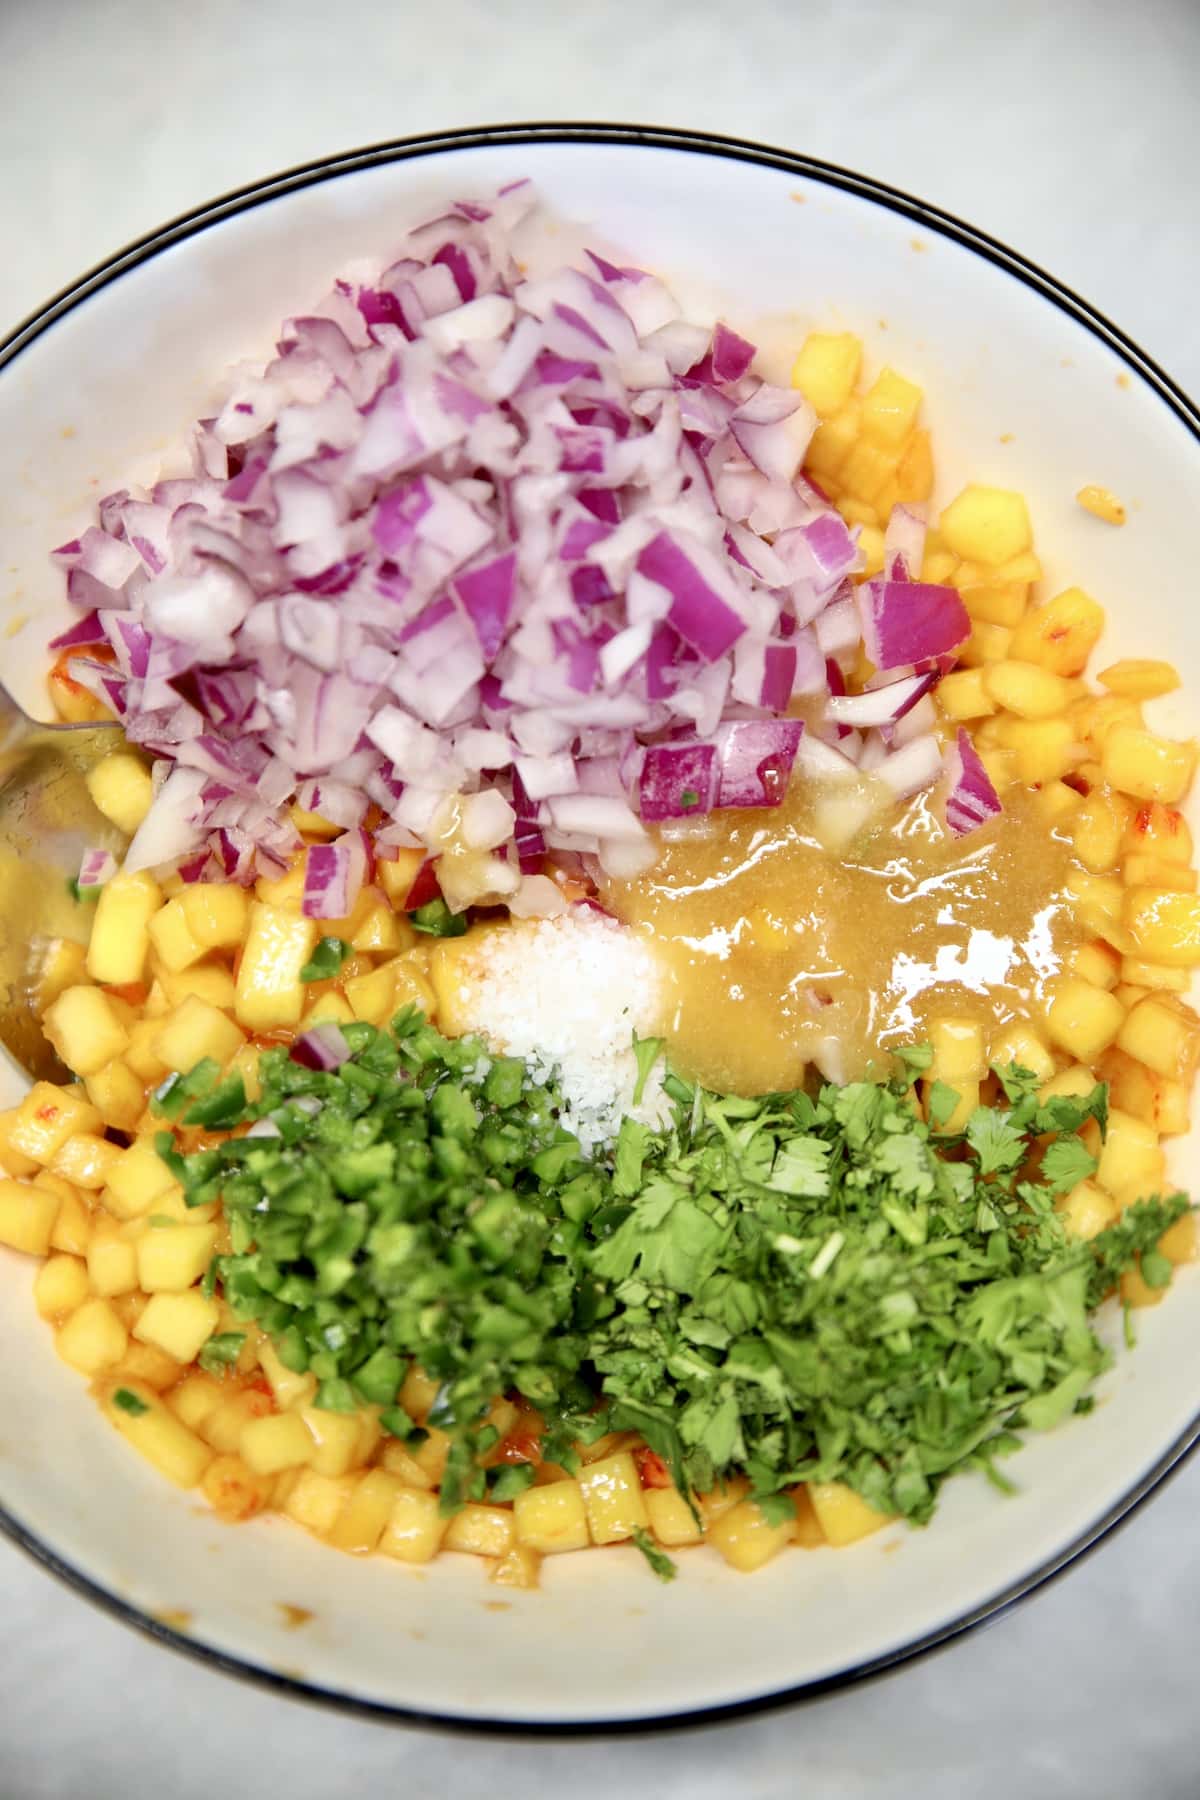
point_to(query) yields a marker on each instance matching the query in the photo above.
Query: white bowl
(1026, 387)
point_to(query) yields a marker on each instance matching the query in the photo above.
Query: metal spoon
(47, 820)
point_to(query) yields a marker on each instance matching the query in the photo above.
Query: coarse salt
(566, 995)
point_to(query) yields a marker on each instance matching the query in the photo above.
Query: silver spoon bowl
(47, 820)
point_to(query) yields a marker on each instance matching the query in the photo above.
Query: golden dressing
(780, 954)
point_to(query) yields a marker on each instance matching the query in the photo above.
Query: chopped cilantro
(326, 959)
(130, 1403)
(795, 1287)
(664, 1566)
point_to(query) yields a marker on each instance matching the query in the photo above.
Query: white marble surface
(1069, 131)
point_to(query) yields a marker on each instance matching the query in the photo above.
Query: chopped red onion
(322, 1048)
(972, 799)
(465, 520)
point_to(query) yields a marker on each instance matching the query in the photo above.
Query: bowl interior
(1019, 392)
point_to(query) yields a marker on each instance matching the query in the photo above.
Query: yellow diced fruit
(889, 409)
(137, 1179)
(553, 1518)
(1027, 690)
(914, 471)
(86, 1160)
(397, 876)
(146, 1362)
(520, 1568)
(397, 1461)
(208, 981)
(1083, 1020)
(865, 472)
(612, 1498)
(235, 1492)
(172, 1258)
(111, 1260)
(1098, 963)
(1158, 872)
(856, 512)
(806, 1527)
(1098, 829)
(63, 964)
(1131, 1154)
(180, 1324)
(482, 1530)
(1062, 634)
(1164, 927)
(826, 370)
(1136, 1291)
(870, 543)
(833, 440)
(1073, 1083)
(381, 931)
(362, 1521)
(1045, 749)
(1162, 1036)
(418, 1391)
(93, 1338)
(1139, 678)
(60, 1285)
(312, 825)
(1158, 831)
(671, 1518)
(27, 1215)
(85, 1028)
(1178, 1241)
(1094, 716)
(330, 1007)
(994, 603)
(1057, 804)
(174, 944)
(1147, 766)
(987, 525)
(432, 1455)
(120, 936)
(194, 1031)
(844, 1515)
(12, 1161)
(196, 1399)
(141, 1055)
(964, 695)
(277, 1441)
(1154, 975)
(216, 913)
(1102, 503)
(118, 1095)
(986, 644)
(1021, 1045)
(746, 1540)
(289, 1388)
(46, 1118)
(121, 788)
(315, 1501)
(1086, 1210)
(372, 997)
(335, 1440)
(415, 1528)
(958, 1053)
(152, 1428)
(270, 992)
(73, 1225)
(286, 890)
(726, 1494)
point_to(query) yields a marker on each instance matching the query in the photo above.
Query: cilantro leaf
(663, 1566)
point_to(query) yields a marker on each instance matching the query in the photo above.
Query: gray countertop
(1069, 132)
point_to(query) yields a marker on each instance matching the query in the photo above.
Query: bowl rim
(933, 219)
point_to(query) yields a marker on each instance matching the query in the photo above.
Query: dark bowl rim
(931, 218)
